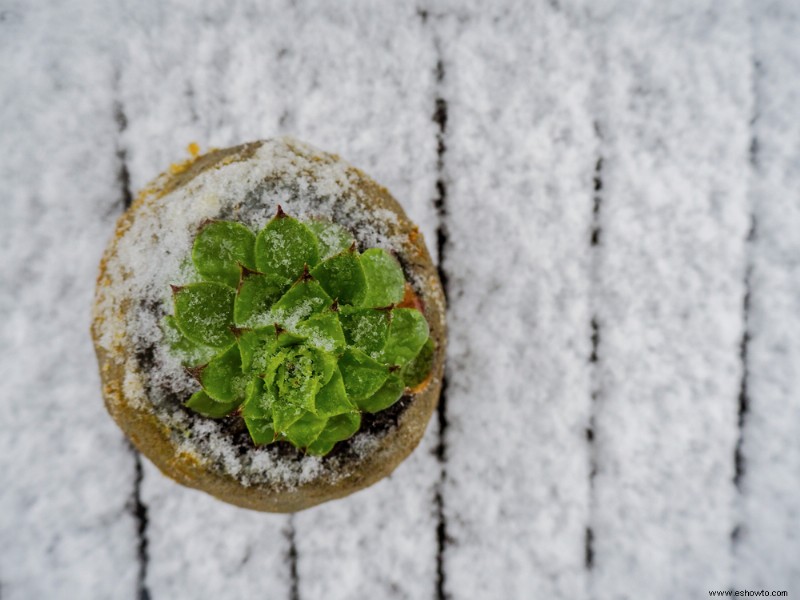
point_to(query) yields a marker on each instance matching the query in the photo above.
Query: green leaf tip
(332, 238)
(385, 280)
(255, 296)
(220, 248)
(284, 246)
(202, 403)
(342, 277)
(295, 331)
(204, 312)
(190, 353)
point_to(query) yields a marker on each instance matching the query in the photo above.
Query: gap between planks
(439, 117)
(594, 338)
(137, 507)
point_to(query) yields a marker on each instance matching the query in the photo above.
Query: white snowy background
(612, 191)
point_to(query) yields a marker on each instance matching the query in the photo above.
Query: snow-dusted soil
(612, 191)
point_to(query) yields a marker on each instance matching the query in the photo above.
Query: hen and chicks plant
(296, 330)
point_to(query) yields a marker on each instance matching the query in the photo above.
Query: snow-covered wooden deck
(612, 191)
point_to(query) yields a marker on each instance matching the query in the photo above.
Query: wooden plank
(768, 540)
(673, 109)
(519, 162)
(66, 473)
(184, 80)
(363, 87)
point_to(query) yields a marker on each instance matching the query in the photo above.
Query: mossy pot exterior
(155, 440)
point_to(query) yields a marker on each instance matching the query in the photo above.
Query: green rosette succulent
(296, 330)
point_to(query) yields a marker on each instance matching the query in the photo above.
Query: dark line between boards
(597, 181)
(589, 548)
(594, 325)
(440, 200)
(135, 504)
(743, 399)
(123, 174)
(139, 510)
(440, 116)
(291, 558)
(744, 392)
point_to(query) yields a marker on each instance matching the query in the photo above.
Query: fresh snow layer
(520, 156)
(66, 472)
(768, 541)
(377, 543)
(673, 105)
(201, 548)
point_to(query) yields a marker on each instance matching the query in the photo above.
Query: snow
(65, 469)
(517, 486)
(202, 548)
(671, 89)
(768, 543)
(669, 297)
(377, 543)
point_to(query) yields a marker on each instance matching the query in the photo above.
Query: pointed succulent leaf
(261, 431)
(408, 332)
(222, 378)
(298, 378)
(325, 365)
(338, 428)
(332, 398)
(219, 249)
(417, 370)
(385, 280)
(332, 238)
(254, 346)
(342, 277)
(204, 312)
(284, 415)
(389, 393)
(274, 359)
(305, 430)
(190, 353)
(259, 400)
(202, 403)
(365, 328)
(257, 412)
(322, 445)
(284, 246)
(256, 294)
(305, 298)
(323, 331)
(362, 375)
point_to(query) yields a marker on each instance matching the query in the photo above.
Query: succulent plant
(296, 330)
